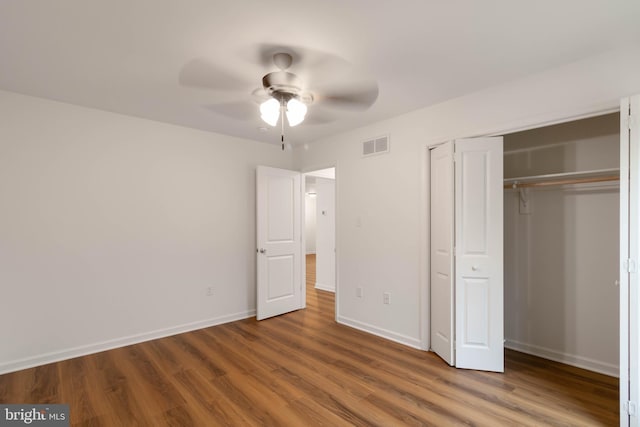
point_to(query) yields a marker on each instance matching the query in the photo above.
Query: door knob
(263, 251)
(474, 267)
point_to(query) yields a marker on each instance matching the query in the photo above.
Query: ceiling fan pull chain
(282, 108)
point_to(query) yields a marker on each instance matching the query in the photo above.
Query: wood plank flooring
(304, 369)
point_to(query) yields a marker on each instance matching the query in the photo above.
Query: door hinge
(630, 408)
(631, 121)
(630, 265)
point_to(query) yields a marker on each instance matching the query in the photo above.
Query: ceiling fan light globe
(296, 111)
(270, 120)
(270, 111)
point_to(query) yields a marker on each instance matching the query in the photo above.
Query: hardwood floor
(304, 369)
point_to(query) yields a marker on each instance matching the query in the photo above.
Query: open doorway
(320, 232)
(561, 232)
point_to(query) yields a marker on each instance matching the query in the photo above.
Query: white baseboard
(568, 359)
(383, 333)
(324, 287)
(56, 356)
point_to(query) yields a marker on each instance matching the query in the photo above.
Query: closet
(561, 242)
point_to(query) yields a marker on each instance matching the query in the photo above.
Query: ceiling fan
(286, 95)
(299, 85)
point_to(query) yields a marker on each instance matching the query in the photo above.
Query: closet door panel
(441, 232)
(475, 293)
(479, 254)
(475, 168)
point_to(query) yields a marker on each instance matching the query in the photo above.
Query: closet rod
(563, 182)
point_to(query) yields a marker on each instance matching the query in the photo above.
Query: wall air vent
(374, 146)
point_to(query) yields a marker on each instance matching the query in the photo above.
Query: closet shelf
(581, 177)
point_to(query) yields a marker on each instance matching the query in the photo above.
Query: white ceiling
(131, 56)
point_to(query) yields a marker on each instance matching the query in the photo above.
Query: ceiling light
(270, 111)
(282, 102)
(296, 111)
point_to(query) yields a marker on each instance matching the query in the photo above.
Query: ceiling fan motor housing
(282, 85)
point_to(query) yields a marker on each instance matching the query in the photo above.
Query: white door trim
(624, 255)
(629, 259)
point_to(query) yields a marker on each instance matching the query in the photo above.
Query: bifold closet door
(441, 232)
(466, 265)
(479, 293)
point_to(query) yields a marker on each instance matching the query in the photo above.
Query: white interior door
(441, 232)
(279, 233)
(479, 289)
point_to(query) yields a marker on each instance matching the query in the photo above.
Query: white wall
(112, 228)
(325, 235)
(382, 214)
(586, 144)
(310, 223)
(561, 260)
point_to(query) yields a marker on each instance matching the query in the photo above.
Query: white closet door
(479, 254)
(441, 232)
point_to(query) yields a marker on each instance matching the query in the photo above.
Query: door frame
(303, 268)
(629, 253)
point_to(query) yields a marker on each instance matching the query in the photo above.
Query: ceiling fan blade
(241, 110)
(356, 97)
(260, 95)
(200, 73)
(320, 116)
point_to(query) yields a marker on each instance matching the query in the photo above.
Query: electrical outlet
(359, 291)
(386, 298)
(210, 291)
